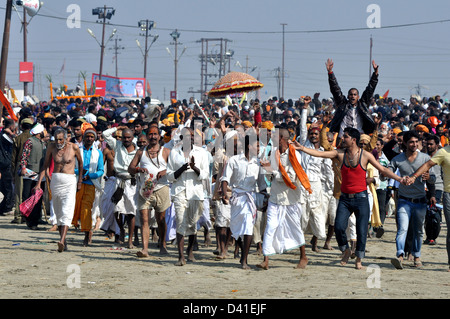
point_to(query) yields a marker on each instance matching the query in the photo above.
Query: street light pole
(146, 25)
(175, 35)
(103, 14)
(102, 46)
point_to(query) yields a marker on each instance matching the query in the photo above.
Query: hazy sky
(411, 47)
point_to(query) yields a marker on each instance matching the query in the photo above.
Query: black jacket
(342, 104)
(5, 152)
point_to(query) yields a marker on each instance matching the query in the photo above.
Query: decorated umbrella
(234, 82)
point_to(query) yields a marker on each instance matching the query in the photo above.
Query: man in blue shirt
(93, 169)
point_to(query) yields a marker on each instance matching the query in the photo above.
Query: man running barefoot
(63, 184)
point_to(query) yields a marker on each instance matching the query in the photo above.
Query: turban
(365, 138)
(433, 121)
(397, 130)
(88, 128)
(167, 122)
(247, 123)
(267, 125)
(313, 127)
(37, 129)
(422, 128)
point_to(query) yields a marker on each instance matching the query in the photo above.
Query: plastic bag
(27, 206)
(147, 186)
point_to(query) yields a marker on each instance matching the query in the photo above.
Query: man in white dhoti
(123, 198)
(63, 183)
(314, 214)
(187, 168)
(243, 174)
(283, 230)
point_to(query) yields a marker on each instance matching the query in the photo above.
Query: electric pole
(282, 63)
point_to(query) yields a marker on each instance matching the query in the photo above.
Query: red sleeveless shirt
(353, 178)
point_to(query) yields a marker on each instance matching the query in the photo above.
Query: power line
(260, 32)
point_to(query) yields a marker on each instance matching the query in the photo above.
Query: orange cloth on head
(396, 130)
(247, 123)
(267, 125)
(86, 126)
(422, 128)
(298, 171)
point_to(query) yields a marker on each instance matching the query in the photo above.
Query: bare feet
(54, 228)
(142, 254)
(61, 247)
(302, 263)
(327, 245)
(180, 262)
(314, 245)
(264, 265)
(207, 241)
(245, 266)
(163, 251)
(346, 256)
(97, 224)
(358, 263)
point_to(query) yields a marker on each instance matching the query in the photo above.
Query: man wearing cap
(91, 172)
(31, 161)
(26, 125)
(314, 217)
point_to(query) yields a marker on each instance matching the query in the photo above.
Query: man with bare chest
(63, 184)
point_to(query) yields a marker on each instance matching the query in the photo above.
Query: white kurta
(243, 177)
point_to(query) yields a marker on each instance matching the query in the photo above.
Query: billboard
(132, 88)
(25, 71)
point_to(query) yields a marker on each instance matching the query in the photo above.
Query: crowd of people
(257, 173)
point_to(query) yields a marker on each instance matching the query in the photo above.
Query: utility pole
(282, 63)
(25, 24)
(116, 49)
(5, 48)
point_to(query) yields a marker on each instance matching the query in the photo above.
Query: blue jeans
(359, 205)
(415, 212)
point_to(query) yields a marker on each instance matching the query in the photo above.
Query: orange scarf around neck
(298, 171)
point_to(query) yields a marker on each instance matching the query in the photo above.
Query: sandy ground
(31, 267)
